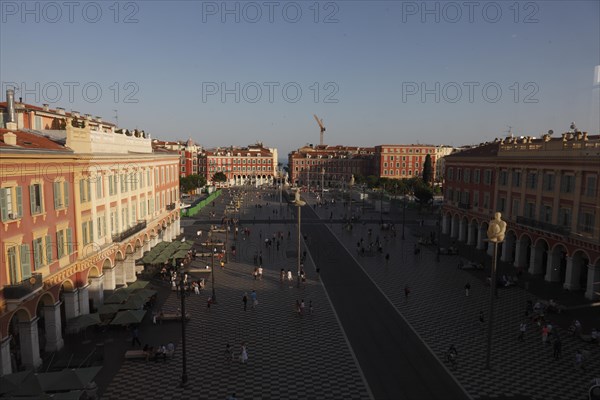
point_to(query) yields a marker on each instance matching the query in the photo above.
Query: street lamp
(403, 214)
(322, 185)
(439, 238)
(495, 234)
(212, 265)
(350, 185)
(184, 376)
(298, 202)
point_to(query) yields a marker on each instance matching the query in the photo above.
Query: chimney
(75, 114)
(46, 107)
(10, 104)
(60, 110)
(10, 138)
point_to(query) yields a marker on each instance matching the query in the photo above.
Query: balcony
(464, 206)
(23, 288)
(171, 207)
(543, 226)
(129, 232)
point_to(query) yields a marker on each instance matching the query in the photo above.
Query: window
(501, 206)
(467, 176)
(586, 221)
(61, 195)
(36, 199)
(590, 185)
(38, 253)
(123, 183)
(548, 183)
(567, 184)
(546, 213)
(530, 210)
(87, 232)
(101, 224)
(487, 177)
(11, 203)
(532, 180)
(564, 217)
(476, 198)
(99, 188)
(516, 208)
(476, 176)
(516, 179)
(85, 190)
(13, 265)
(503, 178)
(486, 201)
(458, 174)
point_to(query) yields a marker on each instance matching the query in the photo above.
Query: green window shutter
(84, 232)
(69, 241)
(37, 254)
(56, 195)
(81, 195)
(19, 192)
(60, 244)
(48, 249)
(31, 199)
(91, 231)
(3, 208)
(25, 262)
(88, 193)
(66, 193)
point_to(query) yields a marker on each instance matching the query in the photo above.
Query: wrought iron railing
(543, 226)
(119, 237)
(23, 288)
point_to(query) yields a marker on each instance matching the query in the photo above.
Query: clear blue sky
(373, 57)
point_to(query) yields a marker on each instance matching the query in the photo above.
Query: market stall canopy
(128, 317)
(118, 296)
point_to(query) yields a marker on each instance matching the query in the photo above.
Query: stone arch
(482, 243)
(463, 228)
(539, 257)
(44, 325)
(119, 256)
(19, 351)
(93, 272)
(137, 244)
(107, 263)
(68, 285)
(129, 249)
(556, 268)
(509, 248)
(577, 270)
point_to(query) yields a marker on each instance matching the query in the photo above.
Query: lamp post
(184, 376)
(322, 185)
(350, 185)
(212, 266)
(299, 203)
(403, 214)
(225, 259)
(495, 234)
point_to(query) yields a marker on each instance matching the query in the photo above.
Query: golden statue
(496, 229)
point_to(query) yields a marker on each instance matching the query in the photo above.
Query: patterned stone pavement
(290, 357)
(442, 314)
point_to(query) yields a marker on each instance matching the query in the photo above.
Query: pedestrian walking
(254, 299)
(282, 275)
(245, 300)
(260, 273)
(522, 329)
(289, 275)
(579, 360)
(222, 264)
(467, 289)
(135, 338)
(228, 352)
(387, 258)
(310, 307)
(244, 353)
(406, 292)
(557, 346)
(481, 318)
(545, 334)
(302, 307)
(208, 302)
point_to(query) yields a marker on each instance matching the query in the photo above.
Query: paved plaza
(313, 356)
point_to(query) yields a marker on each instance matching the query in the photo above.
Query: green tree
(191, 182)
(423, 193)
(219, 177)
(428, 170)
(372, 181)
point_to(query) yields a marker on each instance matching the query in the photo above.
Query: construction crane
(320, 122)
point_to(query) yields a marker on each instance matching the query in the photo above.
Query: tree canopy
(219, 177)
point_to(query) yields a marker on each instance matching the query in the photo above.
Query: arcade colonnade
(577, 268)
(38, 324)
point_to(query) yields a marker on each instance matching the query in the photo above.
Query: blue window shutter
(66, 192)
(3, 208)
(19, 192)
(25, 262)
(48, 249)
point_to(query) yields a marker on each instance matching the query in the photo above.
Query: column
(71, 304)
(84, 300)
(517, 262)
(593, 285)
(53, 325)
(30, 347)
(119, 273)
(445, 225)
(572, 276)
(96, 290)
(129, 268)
(110, 280)
(534, 268)
(5, 362)
(480, 237)
(470, 235)
(453, 228)
(552, 271)
(461, 230)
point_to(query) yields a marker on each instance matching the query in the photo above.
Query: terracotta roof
(31, 141)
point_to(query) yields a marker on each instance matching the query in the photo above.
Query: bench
(173, 316)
